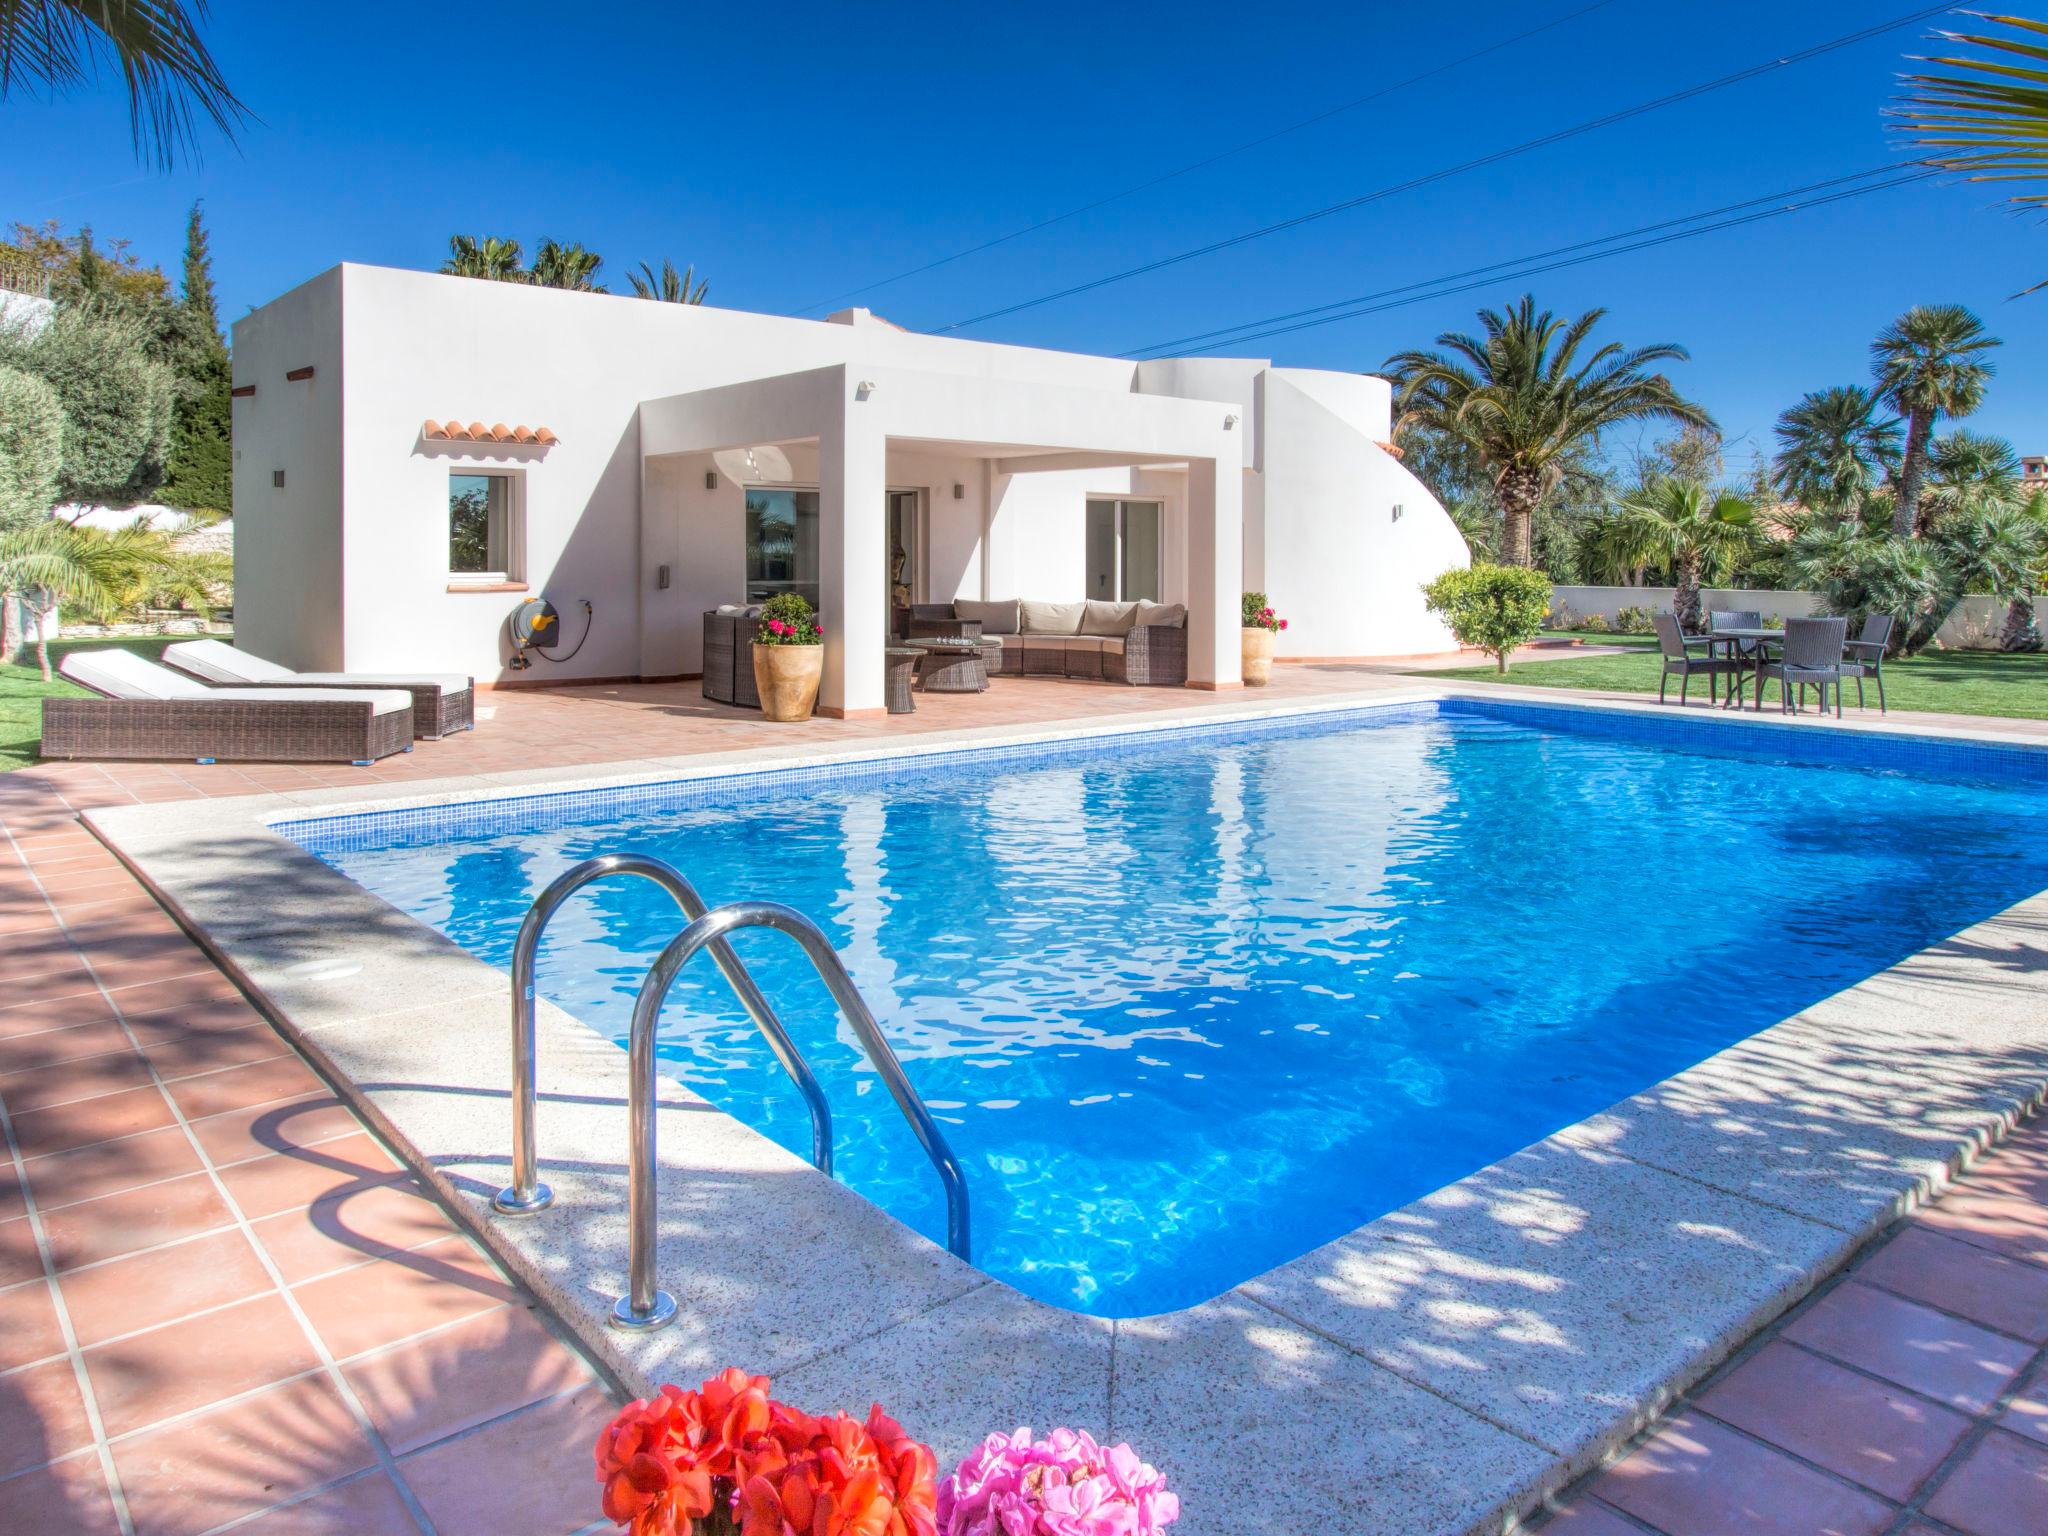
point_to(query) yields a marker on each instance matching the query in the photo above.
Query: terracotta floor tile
(427, 1389)
(145, 1289)
(57, 1013)
(42, 1417)
(214, 1014)
(1883, 1438)
(286, 1181)
(28, 1324)
(70, 1081)
(137, 1218)
(1986, 1287)
(184, 1054)
(2028, 1414)
(236, 1460)
(48, 986)
(1694, 1478)
(262, 1082)
(1583, 1517)
(2001, 1490)
(69, 1496)
(264, 1130)
(43, 1131)
(37, 956)
(1949, 1360)
(25, 1053)
(395, 1298)
(20, 1258)
(182, 991)
(461, 1484)
(361, 1507)
(64, 1178)
(2015, 1225)
(351, 1229)
(186, 1365)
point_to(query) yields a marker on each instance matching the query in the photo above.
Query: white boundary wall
(1973, 626)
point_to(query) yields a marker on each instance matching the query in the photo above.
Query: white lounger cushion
(219, 663)
(121, 674)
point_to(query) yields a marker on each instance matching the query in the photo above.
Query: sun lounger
(147, 711)
(441, 702)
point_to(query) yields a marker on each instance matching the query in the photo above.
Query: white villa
(415, 455)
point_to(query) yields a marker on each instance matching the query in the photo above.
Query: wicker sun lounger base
(242, 730)
(436, 711)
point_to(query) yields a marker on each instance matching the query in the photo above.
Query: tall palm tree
(1524, 398)
(566, 266)
(1698, 532)
(1966, 470)
(1929, 363)
(59, 45)
(1990, 123)
(492, 258)
(1833, 445)
(667, 285)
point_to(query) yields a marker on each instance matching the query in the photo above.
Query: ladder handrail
(645, 1306)
(526, 1194)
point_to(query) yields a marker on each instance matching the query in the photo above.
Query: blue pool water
(1188, 1007)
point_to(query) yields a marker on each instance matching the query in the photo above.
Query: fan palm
(1929, 363)
(89, 568)
(59, 45)
(1832, 445)
(668, 285)
(491, 258)
(1968, 470)
(1991, 123)
(1524, 398)
(566, 266)
(1992, 546)
(1698, 532)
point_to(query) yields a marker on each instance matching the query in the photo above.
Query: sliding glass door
(1123, 550)
(782, 543)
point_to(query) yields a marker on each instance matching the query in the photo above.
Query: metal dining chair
(1864, 656)
(1811, 657)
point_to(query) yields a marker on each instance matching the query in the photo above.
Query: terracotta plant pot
(786, 677)
(1257, 656)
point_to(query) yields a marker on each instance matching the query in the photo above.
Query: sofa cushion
(1100, 618)
(1049, 642)
(1051, 618)
(1174, 614)
(997, 618)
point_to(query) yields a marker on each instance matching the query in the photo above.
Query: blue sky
(794, 152)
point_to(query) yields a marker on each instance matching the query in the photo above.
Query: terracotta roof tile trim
(477, 432)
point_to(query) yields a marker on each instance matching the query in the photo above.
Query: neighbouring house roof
(477, 432)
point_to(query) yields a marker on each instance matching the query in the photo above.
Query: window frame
(515, 526)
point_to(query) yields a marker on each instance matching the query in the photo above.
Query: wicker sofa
(1142, 644)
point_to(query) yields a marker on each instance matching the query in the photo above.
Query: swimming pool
(1189, 1004)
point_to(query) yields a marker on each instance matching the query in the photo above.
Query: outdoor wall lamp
(1397, 511)
(710, 479)
(863, 389)
(1229, 422)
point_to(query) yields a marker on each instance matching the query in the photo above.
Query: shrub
(1253, 604)
(1594, 624)
(31, 446)
(1491, 607)
(788, 619)
(1635, 621)
(117, 400)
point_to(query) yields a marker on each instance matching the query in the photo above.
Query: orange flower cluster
(728, 1458)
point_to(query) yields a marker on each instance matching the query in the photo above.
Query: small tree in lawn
(1492, 608)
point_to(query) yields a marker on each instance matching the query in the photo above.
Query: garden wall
(1973, 626)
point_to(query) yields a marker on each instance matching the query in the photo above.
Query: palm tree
(1990, 124)
(669, 286)
(1967, 470)
(1699, 533)
(59, 46)
(566, 266)
(1929, 363)
(1996, 547)
(1524, 399)
(491, 258)
(1833, 445)
(88, 568)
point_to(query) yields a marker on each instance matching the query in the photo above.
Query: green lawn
(1954, 682)
(22, 691)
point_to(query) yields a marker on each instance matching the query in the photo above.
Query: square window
(484, 533)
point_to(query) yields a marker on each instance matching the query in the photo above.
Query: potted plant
(789, 657)
(1261, 624)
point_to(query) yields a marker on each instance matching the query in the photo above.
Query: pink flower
(1064, 1485)
(1283, 623)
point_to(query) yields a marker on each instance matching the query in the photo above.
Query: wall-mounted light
(661, 578)
(277, 479)
(1229, 422)
(1397, 511)
(863, 389)
(710, 479)
(959, 491)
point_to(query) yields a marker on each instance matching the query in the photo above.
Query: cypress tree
(201, 469)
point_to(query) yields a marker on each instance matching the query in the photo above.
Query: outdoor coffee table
(899, 669)
(950, 666)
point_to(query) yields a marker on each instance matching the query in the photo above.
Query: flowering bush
(1258, 613)
(1063, 1485)
(787, 619)
(728, 1459)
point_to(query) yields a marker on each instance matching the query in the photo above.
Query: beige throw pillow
(1052, 618)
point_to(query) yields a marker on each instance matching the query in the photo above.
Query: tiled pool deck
(219, 1294)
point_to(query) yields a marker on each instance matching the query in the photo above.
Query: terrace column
(1215, 571)
(852, 556)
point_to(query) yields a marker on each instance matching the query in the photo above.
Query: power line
(1217, 158)
(1226, 334)
(1906, 178)
(1523, 148)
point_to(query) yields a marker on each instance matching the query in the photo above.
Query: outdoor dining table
(1734, 637)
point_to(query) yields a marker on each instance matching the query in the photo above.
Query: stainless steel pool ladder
(646, 1307)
